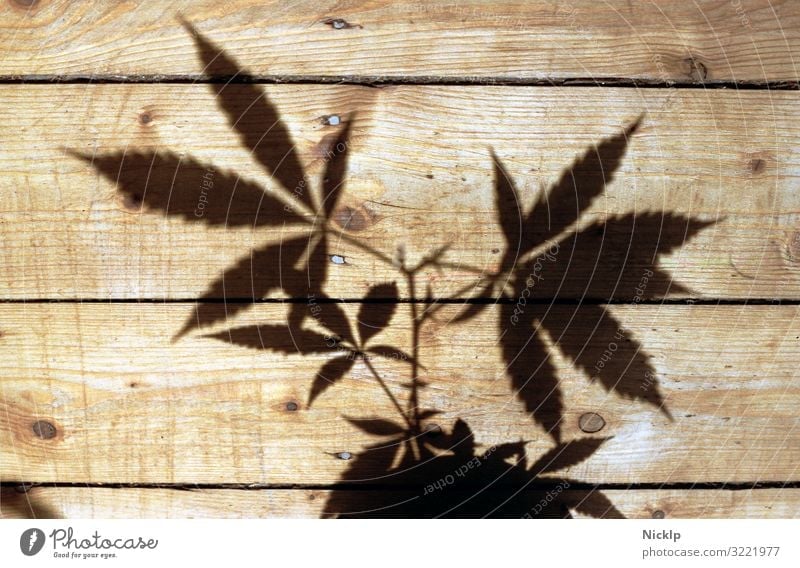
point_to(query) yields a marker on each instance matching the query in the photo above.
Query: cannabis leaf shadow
(553, 251)
(184, 187)
(549, 254)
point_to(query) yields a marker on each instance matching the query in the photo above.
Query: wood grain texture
(135, 393)
(420, 177)
(98, 502)
(698, 42)
(130, 407)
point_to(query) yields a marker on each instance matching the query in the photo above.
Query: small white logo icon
(31, 542)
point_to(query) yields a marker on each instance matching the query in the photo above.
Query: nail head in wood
(591, 422)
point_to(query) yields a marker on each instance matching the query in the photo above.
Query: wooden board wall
(92, 242)
(115, 415)
(88, 502)
(208, 412)
(752, 41)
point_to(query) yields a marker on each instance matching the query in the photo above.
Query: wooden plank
(100, 502)
(706, 42)
(128, 406)
(420, 177)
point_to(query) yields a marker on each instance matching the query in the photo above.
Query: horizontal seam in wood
(455, 301)
(536, 485)
(383, 81)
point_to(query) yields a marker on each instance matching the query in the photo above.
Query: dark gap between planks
(381, 81)
(540, 484)
(455, 301)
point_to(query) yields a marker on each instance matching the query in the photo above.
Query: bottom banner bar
(405, 543)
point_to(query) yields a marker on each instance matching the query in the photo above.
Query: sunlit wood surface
(123, 392)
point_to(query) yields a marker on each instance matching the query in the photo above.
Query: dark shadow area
(557, 249)
(22, 502)
(456, 480)
(179, 186)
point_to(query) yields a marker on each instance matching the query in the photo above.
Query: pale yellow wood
(778, 503)
(420, 177)
(98, 502)
(706, 41)
(131, 407)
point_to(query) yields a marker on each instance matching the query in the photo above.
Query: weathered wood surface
(420, 176)
(131, 407)
(702, 42)
(98, 502)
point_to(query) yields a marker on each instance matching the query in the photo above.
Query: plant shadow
(560, 263)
